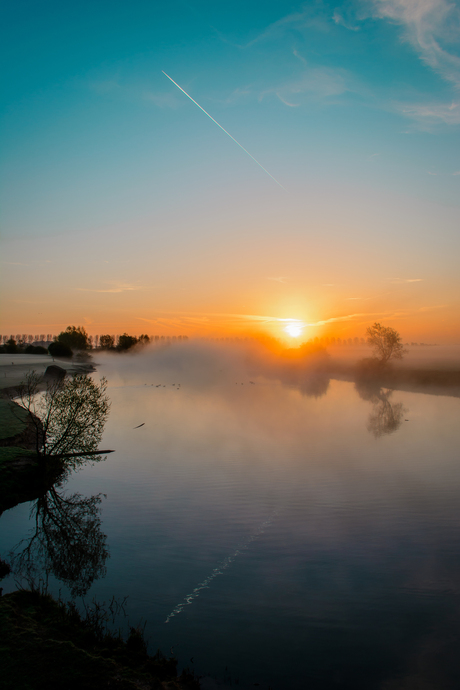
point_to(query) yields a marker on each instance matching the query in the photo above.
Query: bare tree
(385, 342)
(69, 417)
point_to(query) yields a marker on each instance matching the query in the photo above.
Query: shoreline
(21, 477)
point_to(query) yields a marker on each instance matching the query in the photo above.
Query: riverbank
(21, 478)
(48, 644)
(430, 381)
(14, 368)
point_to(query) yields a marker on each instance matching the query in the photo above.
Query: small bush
(36, 350)
(60, 350)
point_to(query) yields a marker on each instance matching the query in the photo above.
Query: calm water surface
(270, 536)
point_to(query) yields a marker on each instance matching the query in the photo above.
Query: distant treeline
(76, 338)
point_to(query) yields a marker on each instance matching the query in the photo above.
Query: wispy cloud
(407, 280)
(120, 287)
(127, 90)
(13, 263)
(279, 279)
(306, 18)
(339, 19)
(180, 319)
(104, 86)
(346, 317)
(236, 95)
(296, 54)
(428, 114)
(430, 26)
(431, 307)
(317, 82)
(161, 99)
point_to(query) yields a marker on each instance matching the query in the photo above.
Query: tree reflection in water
(315, 385)
(66, 542)
(386, 416)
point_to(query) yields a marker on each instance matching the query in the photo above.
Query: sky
(324, 190)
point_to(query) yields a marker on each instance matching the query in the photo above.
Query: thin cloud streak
(13, 263)
(279, 279)
(116, 289)
(399, 281)
(224, 130)
(210, 318)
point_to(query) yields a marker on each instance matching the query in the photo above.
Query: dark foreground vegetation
(46, 644)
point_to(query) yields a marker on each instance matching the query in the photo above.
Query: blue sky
(123, 187)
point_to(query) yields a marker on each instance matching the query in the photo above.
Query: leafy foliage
(106, 342)
(69, 416)
(11, 347)
(126, 342)
(57, 349)
(36, 350)
(385, 342)
(74, 337)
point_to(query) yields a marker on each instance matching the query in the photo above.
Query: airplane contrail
(224, 130)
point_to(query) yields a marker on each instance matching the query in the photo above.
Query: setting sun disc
(294, 330)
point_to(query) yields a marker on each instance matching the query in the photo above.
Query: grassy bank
(19, 476)
(45, 644)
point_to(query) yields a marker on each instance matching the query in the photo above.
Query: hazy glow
(294, 330)
(124, 210)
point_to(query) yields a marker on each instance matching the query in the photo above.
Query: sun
(294, 330)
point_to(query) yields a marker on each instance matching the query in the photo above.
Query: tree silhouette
(74, 337)
(106, 342)
(126, 342)
(385, 342)
(69, 417)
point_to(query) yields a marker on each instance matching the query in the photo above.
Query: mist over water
(293, 529)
